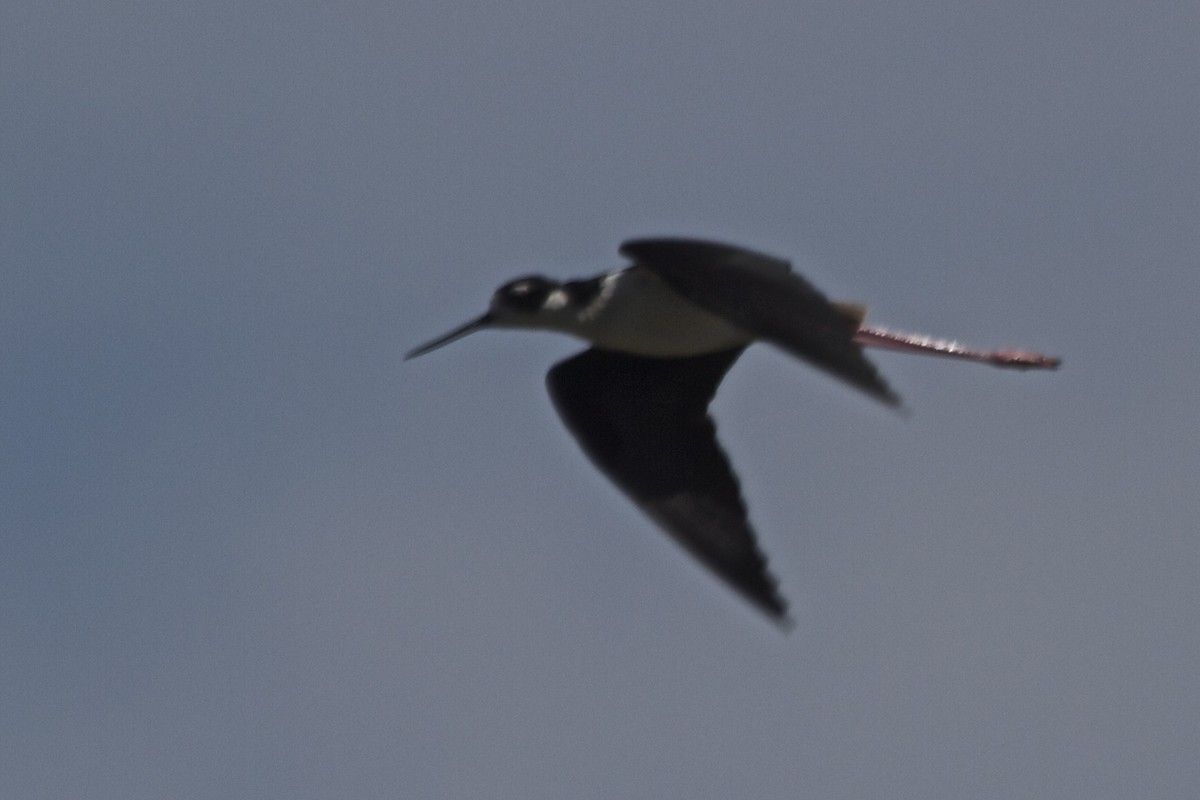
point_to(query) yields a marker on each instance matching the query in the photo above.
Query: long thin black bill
(457, 333)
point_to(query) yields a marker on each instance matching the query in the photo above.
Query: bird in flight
(664, 330)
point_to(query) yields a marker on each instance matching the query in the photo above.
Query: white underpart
(637, 313)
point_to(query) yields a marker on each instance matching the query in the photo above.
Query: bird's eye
(523, 294)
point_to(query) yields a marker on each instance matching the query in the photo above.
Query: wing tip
(777, 611)
(764, 595)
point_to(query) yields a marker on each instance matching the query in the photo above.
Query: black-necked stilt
(664, 330)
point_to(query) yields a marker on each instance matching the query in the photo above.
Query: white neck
(637, 313)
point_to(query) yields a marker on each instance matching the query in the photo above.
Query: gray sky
(247, 552)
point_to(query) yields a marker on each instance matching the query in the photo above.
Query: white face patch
(555, 300)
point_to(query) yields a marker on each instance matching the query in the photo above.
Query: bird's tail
(854, 312)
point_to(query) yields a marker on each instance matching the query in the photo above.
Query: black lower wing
(761, 295)
(644, 423)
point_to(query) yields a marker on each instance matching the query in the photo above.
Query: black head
(525, 295)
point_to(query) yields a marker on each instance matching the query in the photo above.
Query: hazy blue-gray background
(247, 552)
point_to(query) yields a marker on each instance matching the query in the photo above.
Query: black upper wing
(761, 295)
(644, 422)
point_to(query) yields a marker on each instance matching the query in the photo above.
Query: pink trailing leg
(918, 343)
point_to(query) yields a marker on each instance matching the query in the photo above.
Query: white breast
(637, 313)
